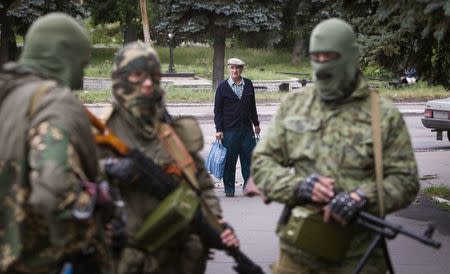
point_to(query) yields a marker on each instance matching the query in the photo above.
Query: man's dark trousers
(238, 142)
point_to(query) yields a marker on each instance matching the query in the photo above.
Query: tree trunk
(219, 56)
(297, 50)
(298, 45)
(4, 43)
(145, 24)
(8, 47)
(130, 33)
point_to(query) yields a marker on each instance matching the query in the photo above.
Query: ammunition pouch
(306, 231)
(173, 214)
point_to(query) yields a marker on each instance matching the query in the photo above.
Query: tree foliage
(213, 20)
(111, 11)
(124, 12)
(393, 34)
(299, 18)
(29, 10)
(414, 33)
(17, 16)
(197, 20)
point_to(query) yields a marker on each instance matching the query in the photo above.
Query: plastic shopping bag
(215, 163)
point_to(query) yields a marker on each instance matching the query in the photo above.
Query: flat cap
(235, 61)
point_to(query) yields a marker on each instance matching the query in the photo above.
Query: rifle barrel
(397, 229)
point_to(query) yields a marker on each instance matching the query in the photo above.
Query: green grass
(441, 192)
(100, 64)
(416, 92)
(175, 95)
(182, 95)
(91, 97)
(421, 92)
(261, 64)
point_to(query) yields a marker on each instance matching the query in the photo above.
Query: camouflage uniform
(45, 154)
(308, 135)
(135, 120)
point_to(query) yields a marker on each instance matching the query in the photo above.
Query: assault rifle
(155, 181)
(382, 228)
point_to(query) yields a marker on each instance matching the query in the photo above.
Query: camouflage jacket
(140, 205)
(46, 150)
(309, 136)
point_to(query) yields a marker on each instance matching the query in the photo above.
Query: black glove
(303, 191)
(347, 208)
(142, 173)
(122, 169)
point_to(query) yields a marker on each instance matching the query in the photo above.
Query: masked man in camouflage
(138, 109)
(319, 151)
(46, 153)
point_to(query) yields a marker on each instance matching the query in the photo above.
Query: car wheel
(448, 135)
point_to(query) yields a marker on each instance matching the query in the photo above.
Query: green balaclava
(136, 57)
(334, 79)
(57, 46)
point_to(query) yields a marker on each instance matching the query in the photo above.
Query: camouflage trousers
(287, 265)
(190, 257)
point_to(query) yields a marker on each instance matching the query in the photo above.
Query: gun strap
(183, 159)
(377, 147)
(179, 153)
(41, 90)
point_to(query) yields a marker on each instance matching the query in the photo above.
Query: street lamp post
(171, 66)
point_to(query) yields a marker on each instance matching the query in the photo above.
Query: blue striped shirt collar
(231, 82)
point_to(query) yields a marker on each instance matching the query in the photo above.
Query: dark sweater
(230, 111)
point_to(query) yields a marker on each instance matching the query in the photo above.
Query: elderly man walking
(234, 116)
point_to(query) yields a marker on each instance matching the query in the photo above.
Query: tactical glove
(138, 170)
(303, 191)
(345, 207)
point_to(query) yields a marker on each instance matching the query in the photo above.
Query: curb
(440, 200)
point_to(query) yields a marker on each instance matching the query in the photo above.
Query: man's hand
(257, 130)
(116, 236)
(219, 135)
(344, 207)
(122, 169)
(228, 236)
(315, 188)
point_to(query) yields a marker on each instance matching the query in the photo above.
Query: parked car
(437, 117)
